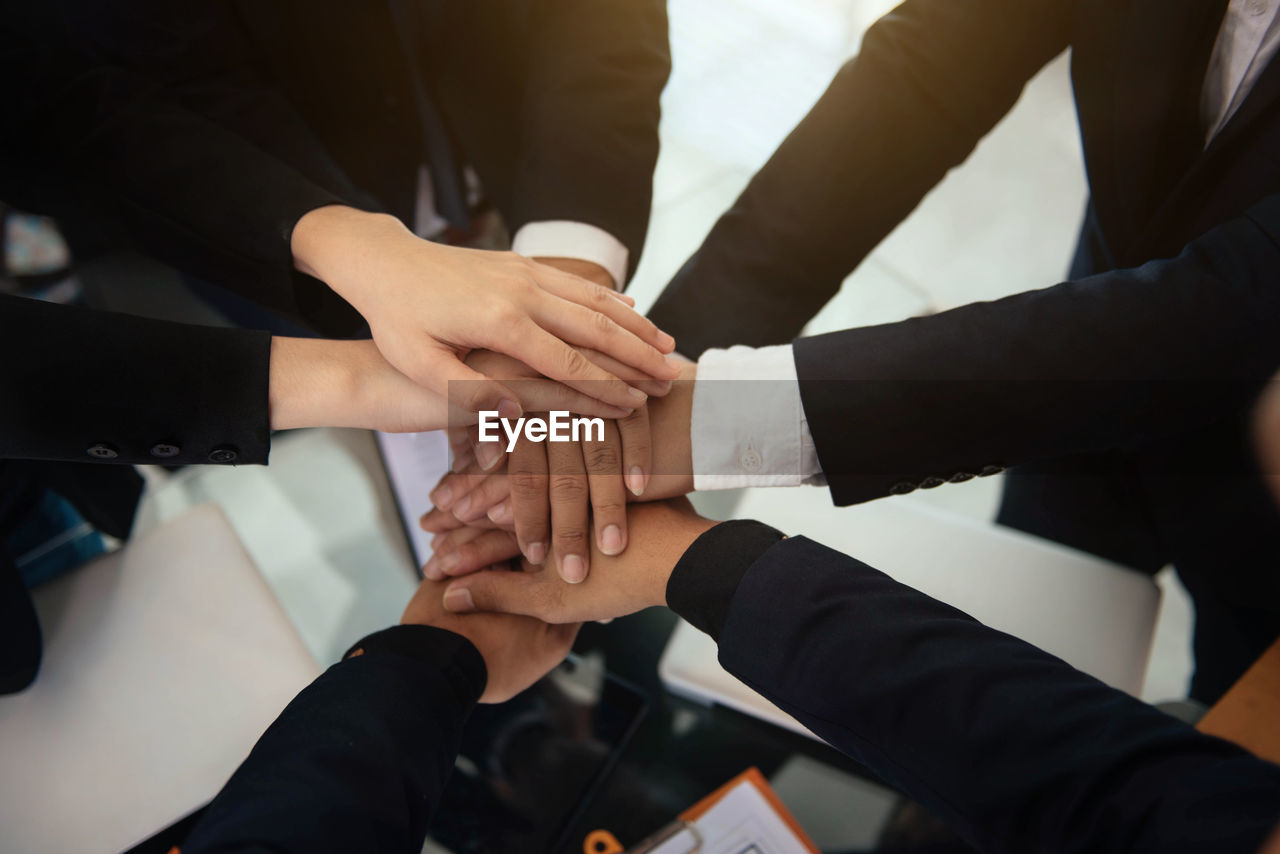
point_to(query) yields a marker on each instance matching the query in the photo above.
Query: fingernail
(635, 480)
(573, 569)
(638, 395)
(499, 514)
(536, 553)
(611, 540)
(666, 340)
(488, 455)
(442, 497)
(508, 408)
(461, 509)
(461, 461)
(430, 570)
(458, 600)
(435, 540)
(666, 385)
(449, 562)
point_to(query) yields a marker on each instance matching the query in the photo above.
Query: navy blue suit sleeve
(358, 760)
(1012, 747)
(1105, 363)
(931, 78)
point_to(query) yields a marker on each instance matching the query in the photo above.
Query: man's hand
(618, 585)
(517, 651)
(551, 489)
(429, 305)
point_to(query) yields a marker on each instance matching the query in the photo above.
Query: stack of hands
(457, 331)
(540, 537)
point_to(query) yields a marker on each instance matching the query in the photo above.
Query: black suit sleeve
(931, 79)
(590, 116)
(139, 122)
(74, 380)
(358, 760)
(1108, 362)
(1012, 747)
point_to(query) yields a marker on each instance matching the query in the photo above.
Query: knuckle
(609, 507)
(569, 487)
(601, 457)
(575, 364)
(572, 539)
(602, 324)
(528, 486)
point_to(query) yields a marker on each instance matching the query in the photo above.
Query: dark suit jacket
(203, 133)
(1013, 748)
(1121, 394)
(80, 389)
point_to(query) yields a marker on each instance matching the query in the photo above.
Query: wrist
(670, 419)
(311, 383)
(333, 243)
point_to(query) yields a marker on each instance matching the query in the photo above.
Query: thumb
(500, 590)
(467, 390)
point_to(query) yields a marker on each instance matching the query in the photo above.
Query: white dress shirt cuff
(748, 426)
(562, 238)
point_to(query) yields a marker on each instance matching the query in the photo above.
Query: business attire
(86, 394)
(203, 134)
(1013, 748)
(1120, 397)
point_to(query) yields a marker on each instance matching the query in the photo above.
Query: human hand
(661, 532)
(319, 383)
(428, 305)
(517, 650)
(588, 270)
(548, 490)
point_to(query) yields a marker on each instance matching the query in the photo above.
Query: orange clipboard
(603, 842)
(755, 778)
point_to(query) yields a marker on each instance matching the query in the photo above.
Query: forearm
(600, 70)
(931, 79)
(923, 695)
(321, 383)
(87, 386)
(358, 760)
(1112, 361)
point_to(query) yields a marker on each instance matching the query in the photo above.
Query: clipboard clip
(604, 842)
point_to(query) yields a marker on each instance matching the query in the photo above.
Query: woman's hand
(319, 383)
(429, 305)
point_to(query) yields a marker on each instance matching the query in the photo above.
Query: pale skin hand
(429, 305)
(319, 383)
(517, 651)
(618, 585)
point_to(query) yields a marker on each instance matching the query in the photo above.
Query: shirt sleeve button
(165, 450)
(750, 460)
(102, 451)
(225, 454)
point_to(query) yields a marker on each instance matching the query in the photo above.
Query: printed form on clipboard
(744, 816)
